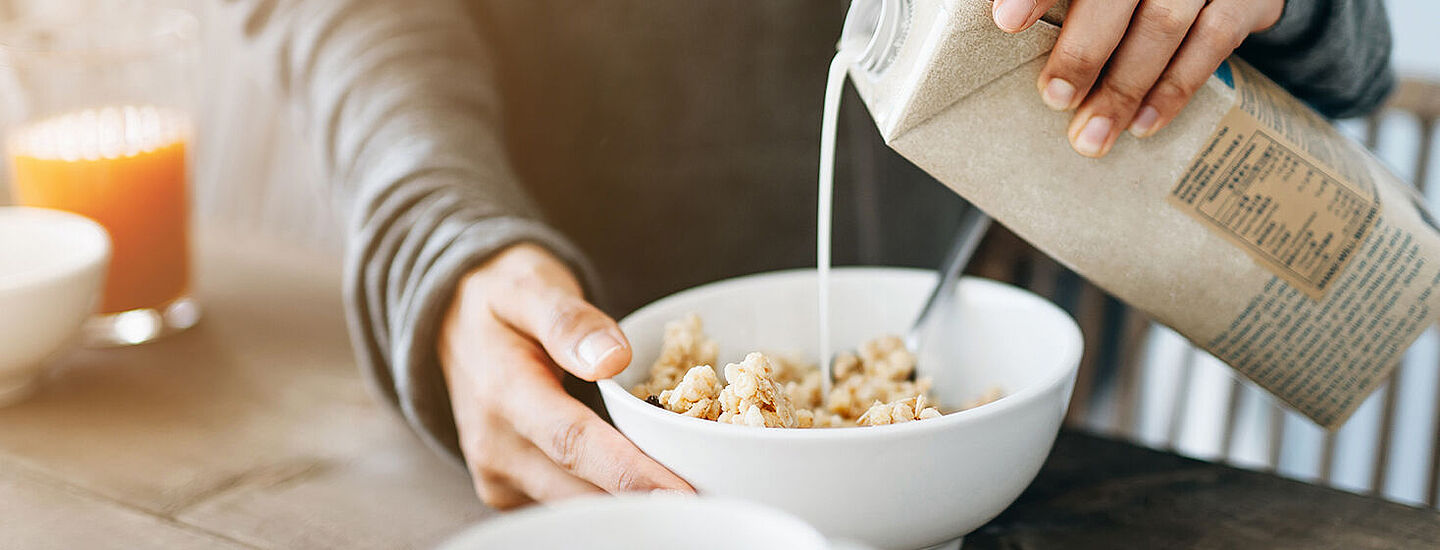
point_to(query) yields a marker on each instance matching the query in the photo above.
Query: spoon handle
(973, 223)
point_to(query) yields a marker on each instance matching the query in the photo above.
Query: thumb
(577, 335)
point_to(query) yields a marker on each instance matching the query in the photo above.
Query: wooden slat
(1422, 173)
(1418, 97)
(1423, 160)
(1372, 131)
(1000, 255)
(1232, 417)
(1133, 337)
(1181, 400)
(1277, 435)
(1327, 457)
(1381, 471)
(1090, 313)
(1044, 275)
(1432, 477)
(1432, 495)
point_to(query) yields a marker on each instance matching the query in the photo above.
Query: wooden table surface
(251, 430)
(254, 430)
(1096, 493)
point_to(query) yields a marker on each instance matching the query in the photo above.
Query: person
(507, 160)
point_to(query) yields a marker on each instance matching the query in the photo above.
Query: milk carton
(1249, 225)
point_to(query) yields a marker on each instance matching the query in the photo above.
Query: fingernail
(595, 346)
(1144, 122)
(1058, 94)
(1010, 15)
(1092, 137)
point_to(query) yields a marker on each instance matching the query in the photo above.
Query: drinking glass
(97, 121)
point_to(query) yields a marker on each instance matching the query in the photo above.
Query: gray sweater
(652, 145)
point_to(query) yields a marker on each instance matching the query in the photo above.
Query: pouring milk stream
(1249, 225)
(834, 86)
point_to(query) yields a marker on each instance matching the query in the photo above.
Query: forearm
(399, 101)
(1333, 54)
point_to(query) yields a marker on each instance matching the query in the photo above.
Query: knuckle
(1222, 28)
(1123, 92)
(566, 319)
(567, 444)
(520, 357)
(506, 277)
(517, 262)
(1072, 58)
(503, 295)
(627, 480)
(1165, 20)
(1172, 89)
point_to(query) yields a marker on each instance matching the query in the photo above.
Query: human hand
(514, 323)
(1154, 55)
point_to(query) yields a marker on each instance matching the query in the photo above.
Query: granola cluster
(753, 396)
(879, 374)
(904, 410)
(697, 394)
(685, 346)
(873, 386)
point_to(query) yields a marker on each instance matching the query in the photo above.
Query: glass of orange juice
(97, 122)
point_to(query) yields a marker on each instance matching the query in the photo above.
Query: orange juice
(125, 168)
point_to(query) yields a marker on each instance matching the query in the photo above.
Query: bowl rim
(615, 395)
(92, 249)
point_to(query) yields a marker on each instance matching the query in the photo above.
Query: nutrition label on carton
(1292, 213)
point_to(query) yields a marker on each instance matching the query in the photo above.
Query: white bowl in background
(908, 485)
(52, 268)
(636, 522)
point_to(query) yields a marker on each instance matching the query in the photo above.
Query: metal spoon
(973, 223)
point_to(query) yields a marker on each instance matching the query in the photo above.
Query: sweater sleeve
(1332, 54)
(399, 100)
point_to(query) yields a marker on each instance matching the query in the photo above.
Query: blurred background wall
(254, 172)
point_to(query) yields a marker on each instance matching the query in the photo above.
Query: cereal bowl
(909, 485)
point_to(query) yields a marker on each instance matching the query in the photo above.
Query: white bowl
(908, 485)
(643, 522)
(52, 267)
